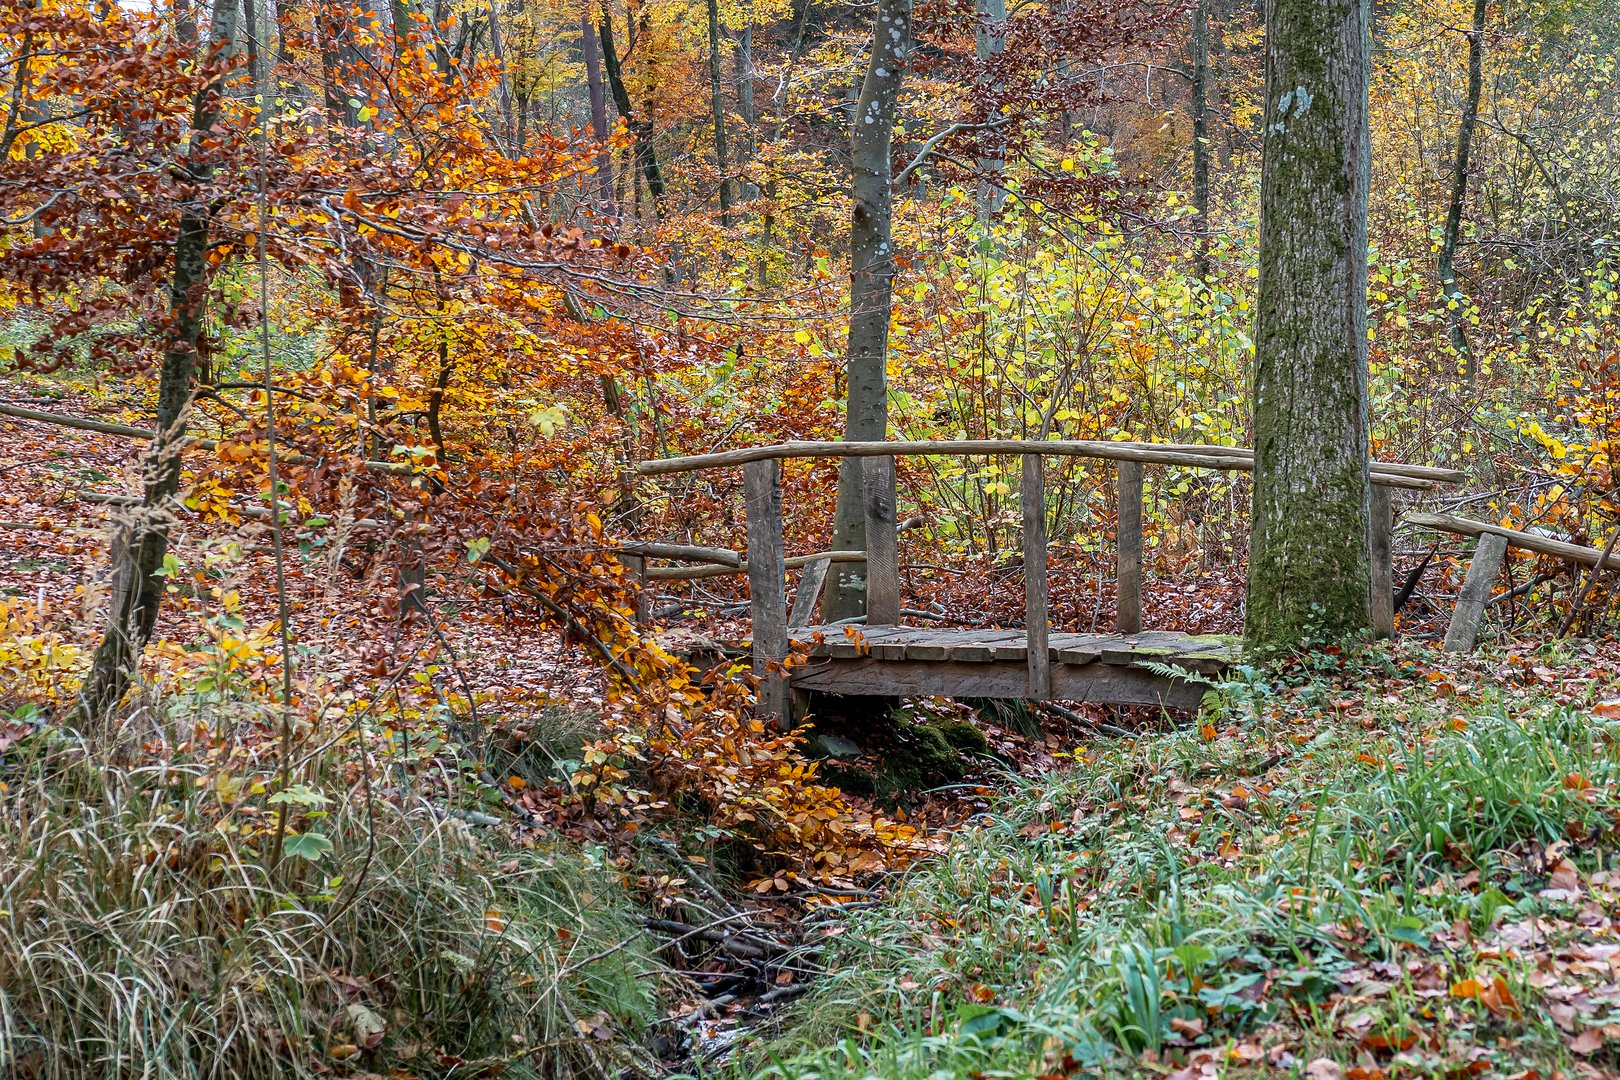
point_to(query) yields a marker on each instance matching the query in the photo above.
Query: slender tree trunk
(1449, 291)
(717, 107)
(592, 50)
(989, 42)
(871, 283)
(745, 107)
(142, 538)
(646, 154)
(497, 44)
(1309, 563)
(1200, 132)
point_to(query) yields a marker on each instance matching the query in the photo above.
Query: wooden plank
(882, 544)
(1077, 650)
(767, 601)
(1005, 679)
(980, 646)
(1543, 545)
(1395, 474)
(1128, 576)
(1476, 593)
(1381, 605)
(809, 592)
(1032, 502)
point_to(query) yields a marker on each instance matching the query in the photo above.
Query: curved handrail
(1231, 458)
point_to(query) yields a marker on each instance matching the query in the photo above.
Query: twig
(1579, 607)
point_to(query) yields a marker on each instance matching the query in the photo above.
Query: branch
(83, 424)
(954, 129)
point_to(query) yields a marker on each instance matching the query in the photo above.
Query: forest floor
(1381, 864)
(1370, 863)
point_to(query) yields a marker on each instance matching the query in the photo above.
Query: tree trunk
(592, 51)
(745, 107)
(1309, 563)
(989, 41)
(717, 107)
(646, 155)
(497, 44)
(1459, 192)
(142, 539)
(1200, 133)
(871, 281)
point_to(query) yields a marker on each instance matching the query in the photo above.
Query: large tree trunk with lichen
(871, 283)
(1309, 563)
(142, 534)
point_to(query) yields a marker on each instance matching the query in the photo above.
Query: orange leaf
(1467, 988)
(1499, 999)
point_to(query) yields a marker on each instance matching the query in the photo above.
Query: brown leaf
(1324, 1069)
(1499, 999)
(1190, 1029)
(1587, 1042)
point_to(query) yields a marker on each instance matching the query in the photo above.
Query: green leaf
(299, 795)
(310, 845)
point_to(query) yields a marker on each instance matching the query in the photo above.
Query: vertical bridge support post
(1381, 610)
(882, 543)
(767, 591)
(1128, 576)
(1476, 593)
(1032, 501)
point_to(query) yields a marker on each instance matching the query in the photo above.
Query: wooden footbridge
(881, 656)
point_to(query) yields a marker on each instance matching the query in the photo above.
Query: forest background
(371, 312)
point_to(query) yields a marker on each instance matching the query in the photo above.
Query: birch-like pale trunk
(871, 284)
(1310, 563)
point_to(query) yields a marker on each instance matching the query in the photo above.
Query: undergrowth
(1373, 866)
(146, 928)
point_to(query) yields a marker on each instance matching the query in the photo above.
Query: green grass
(1314, 879)
(143, 931)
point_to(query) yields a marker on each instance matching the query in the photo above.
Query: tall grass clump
(147, 928)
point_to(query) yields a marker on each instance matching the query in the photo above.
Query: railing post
(767, 596)
(811, 581)
(1032, 501)
(1128, 575)
(1476, 593)
(1381, 611)
(882, 543)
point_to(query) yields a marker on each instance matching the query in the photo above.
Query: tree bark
(1309, 563)
(745, 107)
(717, 107)
(871, 283)
(1459, 193)
(592, 50)
(989, 41)
(142, 538)
(646, 155)
(497, 44)
(1200, 133)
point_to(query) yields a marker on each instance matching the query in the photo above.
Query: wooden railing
(766, 565)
